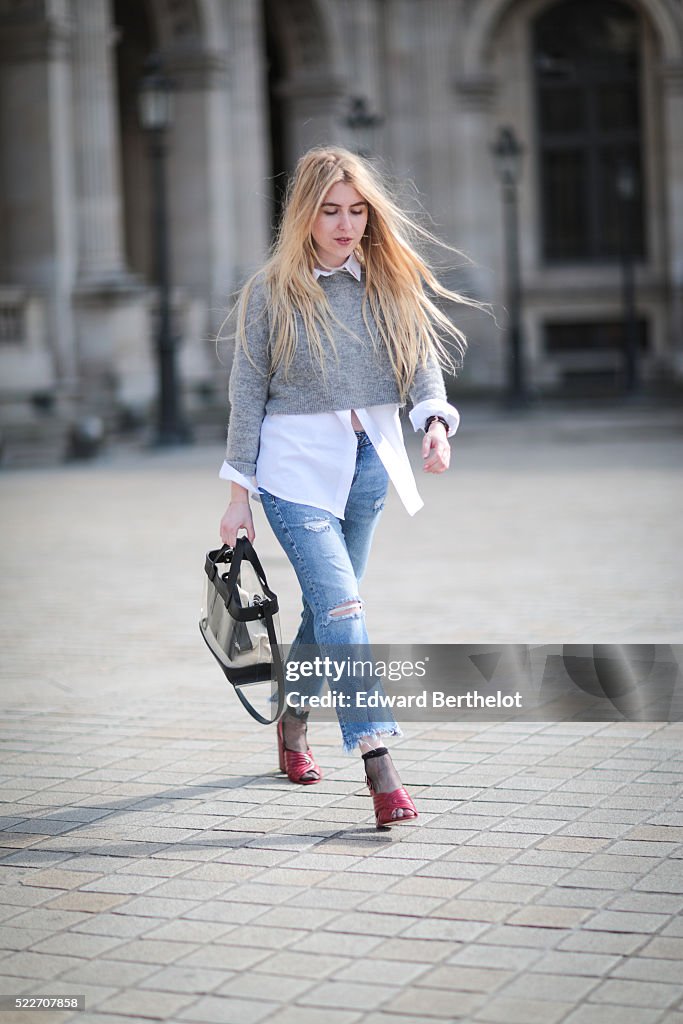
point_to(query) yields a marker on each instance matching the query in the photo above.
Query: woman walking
(334, 333)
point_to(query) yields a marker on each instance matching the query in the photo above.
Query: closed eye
(354, 213)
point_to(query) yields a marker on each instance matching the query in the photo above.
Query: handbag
(240, 624)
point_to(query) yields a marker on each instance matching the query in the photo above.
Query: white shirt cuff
(227, 472)
(421, 412)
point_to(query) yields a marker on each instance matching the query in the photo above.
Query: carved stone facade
(256, 83)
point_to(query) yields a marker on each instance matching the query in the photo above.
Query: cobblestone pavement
(152, 859)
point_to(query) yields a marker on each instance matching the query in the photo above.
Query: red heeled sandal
(386, 803)
(295, 763)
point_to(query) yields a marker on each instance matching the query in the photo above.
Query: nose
(344, 219)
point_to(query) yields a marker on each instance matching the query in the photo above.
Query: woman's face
(339, 225)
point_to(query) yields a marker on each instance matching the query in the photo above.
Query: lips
(343, 241)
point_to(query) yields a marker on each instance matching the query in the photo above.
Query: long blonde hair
(398, 280)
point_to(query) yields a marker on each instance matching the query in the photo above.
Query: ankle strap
(378, 752)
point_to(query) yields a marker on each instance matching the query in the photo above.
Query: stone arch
(311, 81)
(307, 36)
(488, 14)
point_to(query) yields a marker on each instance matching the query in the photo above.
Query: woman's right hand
(237, 517)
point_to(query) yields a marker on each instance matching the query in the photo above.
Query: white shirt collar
(351, 264)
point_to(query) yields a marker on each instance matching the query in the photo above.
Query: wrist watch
(430, 420)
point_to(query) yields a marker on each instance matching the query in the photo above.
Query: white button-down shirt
(311, 458)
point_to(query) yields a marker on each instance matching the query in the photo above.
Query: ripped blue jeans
(329, 556)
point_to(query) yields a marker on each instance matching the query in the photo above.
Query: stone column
(404, 129)
(115, 368)
(478, 211)
(672, 99)
(202, 202)
(100, 241)
(314, 108)
(36, 171)
(249, 168)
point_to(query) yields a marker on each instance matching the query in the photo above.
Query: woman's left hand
(436, 451)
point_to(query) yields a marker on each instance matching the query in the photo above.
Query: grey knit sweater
(359, 376)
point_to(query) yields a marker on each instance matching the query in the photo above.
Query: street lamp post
(626, 185)
(507, 154)
(364, 124)
(155, 103)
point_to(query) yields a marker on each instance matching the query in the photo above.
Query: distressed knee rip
(317, 525)
(351, 609)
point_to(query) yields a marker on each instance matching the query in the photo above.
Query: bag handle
(244, 551)
(277, 666)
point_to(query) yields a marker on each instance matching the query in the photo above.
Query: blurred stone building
(593, 90)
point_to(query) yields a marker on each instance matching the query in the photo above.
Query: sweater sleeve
(248, 389)
(428, 397)
(428, 382)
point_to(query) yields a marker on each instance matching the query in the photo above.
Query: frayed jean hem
(350, 742)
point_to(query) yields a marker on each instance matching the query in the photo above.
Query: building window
(587, 85)
(591, 336)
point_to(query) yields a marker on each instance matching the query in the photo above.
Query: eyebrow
(361, 202)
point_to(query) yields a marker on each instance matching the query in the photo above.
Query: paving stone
(222, 957)
(465, 979)
(667, 948)
(41, 966)
(559, 987)
(360, 923)
(124, 926)
(588, 898)
(390, 972)
(573, 844)
(503, 892)
(407, 906)
(474, 910)
(648, 994)
(220, 872)
(145, 1005)
(265, 986)
(513, 935)
(350, 945)
(603, 942)
(225, 1010)
(305, 917)
(117, 973)
(589, 964)
(197, 932)
(418, 885)
(151, 951)
(480, 954)
(452, 931)
(311, 1015)
(434, 1003)
(150, 906)
(640, 968)
(225, 912)
(354, 995)
(75, 944)
(617, 921)
(523, 1011)
(549, 917)
(301, 965)
(657, 833)
(56, 878)
(604, 1014)
(90, 902)
(668, 877)
(331, 899)
(613, 862)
